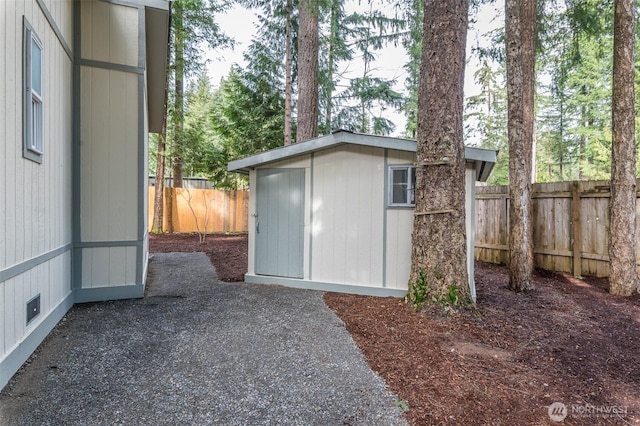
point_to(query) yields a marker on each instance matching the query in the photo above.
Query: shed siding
(470, 223)
(35, 200)
(347, 233)
(399, 229)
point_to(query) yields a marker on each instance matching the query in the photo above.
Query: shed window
(401, 186)
(32, 99)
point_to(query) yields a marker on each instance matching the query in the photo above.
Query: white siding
(347, 206)
(470, 222)
(63, 16)
(109, 33)
(35, 199)
(108, 266)
(399, 228)
(109, 155)
(43, 279)
(110, 137)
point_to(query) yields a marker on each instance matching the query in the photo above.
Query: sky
(240, 24)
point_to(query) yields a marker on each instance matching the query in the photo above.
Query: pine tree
(520, 19)
(623, 277)
(439, 255)
(308, 45)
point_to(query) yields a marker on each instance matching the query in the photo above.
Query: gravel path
(199, 351)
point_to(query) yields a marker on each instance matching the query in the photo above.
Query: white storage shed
(336, 213)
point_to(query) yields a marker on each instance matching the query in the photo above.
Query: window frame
(410, 189)
(32, 101)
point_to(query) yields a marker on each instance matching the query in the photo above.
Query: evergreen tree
(413, 12)
(486, 119)
(247, 118)
(438, 258)
(520, 19)
(622, 220)
(193, 26)
(308, 48)
(361, 105)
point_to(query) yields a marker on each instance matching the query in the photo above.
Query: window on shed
(33, 146)
(402, 186)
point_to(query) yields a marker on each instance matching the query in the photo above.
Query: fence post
(577, 231)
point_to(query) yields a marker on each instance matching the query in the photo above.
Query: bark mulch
(504, 362)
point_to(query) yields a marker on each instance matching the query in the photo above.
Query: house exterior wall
(73, 219)
(36, 198)
(110, 150)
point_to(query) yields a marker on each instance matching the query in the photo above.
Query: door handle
(257, 227)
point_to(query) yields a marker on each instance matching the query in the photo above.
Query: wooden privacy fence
(214, 210)
(570, 226)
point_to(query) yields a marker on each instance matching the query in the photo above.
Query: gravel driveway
(199, 351)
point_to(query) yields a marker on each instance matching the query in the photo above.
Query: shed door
(280, 222)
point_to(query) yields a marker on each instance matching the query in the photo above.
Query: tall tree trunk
(622, 245)
(582, 157)
(439, 254)
(333, 36)
(307, 70)
(520, 16)
(287, 73)
(158, 198)
(534, 161)
(170, 196)
(177, 17)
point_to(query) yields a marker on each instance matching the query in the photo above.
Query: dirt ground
(503, 363)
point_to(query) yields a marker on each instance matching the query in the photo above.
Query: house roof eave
(157, 18)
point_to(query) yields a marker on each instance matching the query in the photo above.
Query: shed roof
(484, 159)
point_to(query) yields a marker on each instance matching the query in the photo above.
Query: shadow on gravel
(197, 350)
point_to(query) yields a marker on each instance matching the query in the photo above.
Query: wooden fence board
(570, 226)
(205, 210)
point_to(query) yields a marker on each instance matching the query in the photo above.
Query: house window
(33, 99)
(401, 186)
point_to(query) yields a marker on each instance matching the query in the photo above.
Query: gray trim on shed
(484, 158)
(324, 286)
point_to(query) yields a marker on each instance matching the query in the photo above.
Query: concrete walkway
(199, 351)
